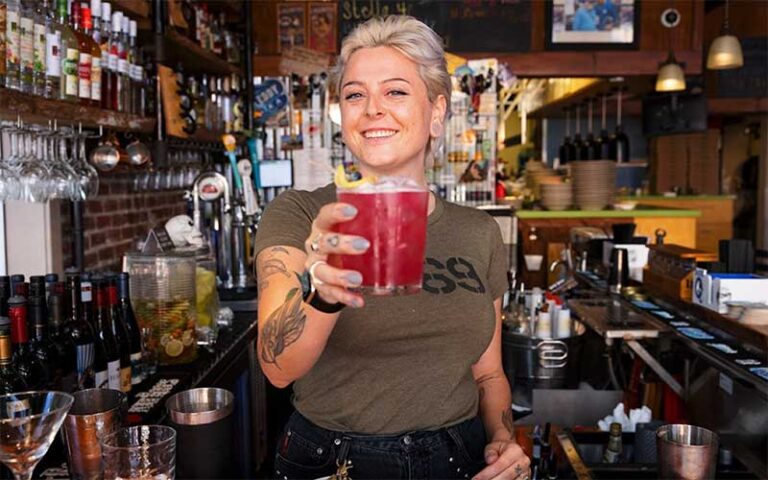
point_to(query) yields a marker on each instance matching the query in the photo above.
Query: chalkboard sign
(464, 25)
(751, 80)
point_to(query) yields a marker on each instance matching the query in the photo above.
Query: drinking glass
(143, 452)
(392, 216)
(9, 176)
(28, 423)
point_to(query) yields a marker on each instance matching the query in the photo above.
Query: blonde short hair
(410, 37)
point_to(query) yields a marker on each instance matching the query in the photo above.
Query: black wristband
(311, 298)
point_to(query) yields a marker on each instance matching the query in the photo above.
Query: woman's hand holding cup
(333, 284)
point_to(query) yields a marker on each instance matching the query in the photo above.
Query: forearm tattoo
(508, 420)
(283, 327)
(269, 266)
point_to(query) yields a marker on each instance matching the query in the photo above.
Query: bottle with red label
(87, 29)
(85, 58)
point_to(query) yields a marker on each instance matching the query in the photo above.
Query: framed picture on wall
(291, 25)
(592, 24)
(322, 26)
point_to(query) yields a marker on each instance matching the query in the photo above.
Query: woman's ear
(438, 116)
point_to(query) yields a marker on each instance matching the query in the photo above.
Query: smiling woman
(396, 387)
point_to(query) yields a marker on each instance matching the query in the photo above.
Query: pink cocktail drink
(394, 221)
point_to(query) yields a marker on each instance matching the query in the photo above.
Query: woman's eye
(352, 96)
(398, 92)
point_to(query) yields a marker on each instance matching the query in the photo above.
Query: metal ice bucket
(686, 452)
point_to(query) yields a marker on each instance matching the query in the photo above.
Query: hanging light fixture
(671, 77)
(725, 52)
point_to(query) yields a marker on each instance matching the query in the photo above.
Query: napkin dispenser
(715, 290)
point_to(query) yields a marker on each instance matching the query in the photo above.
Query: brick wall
(117, 218)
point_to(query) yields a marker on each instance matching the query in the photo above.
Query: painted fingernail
(354, 278)
(349, 211)
(360, 244)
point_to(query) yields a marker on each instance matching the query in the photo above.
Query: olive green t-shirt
(402, 363)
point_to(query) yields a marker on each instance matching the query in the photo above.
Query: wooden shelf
(202, 135)
(134, 8)
(737, 106)
(194, 58)
(40, 110)
(631, 105)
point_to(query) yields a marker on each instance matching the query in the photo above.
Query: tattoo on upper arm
(508, 420)
(271, 265)
(283, 327)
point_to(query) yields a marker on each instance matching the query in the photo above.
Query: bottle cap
(117, 19)
(51, 278)
(106, 11)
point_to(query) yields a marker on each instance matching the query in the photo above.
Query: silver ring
(314, 245)
(311, 270)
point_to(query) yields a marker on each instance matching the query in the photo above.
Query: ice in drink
(392, 216)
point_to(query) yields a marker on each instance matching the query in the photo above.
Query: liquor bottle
(40, 38)
(65, 370)
(13, 44)
(10, 380)
(85, 58)
(95, 79)
(133, 69)
(36, 286)
(70, 56)
(96, 16)
(81, 334)
(52, 88)
(120, 332)
(131, 326)
(24, 360)
(106, 58)
(150, 82)
(108, 344)
(40, 343)
(122, 65)
(26, 46)
(612, 452)
(114, 56)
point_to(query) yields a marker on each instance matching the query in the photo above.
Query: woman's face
(386, 115)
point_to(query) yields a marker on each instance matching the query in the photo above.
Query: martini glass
(28, 423)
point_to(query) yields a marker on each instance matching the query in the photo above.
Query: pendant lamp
(725, 52)
(671, 77)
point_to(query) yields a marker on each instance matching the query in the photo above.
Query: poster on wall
(592, 24)
(322, 27)
(291, 25)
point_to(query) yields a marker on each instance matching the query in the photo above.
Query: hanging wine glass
(91, 174)
(9, 176)
(32, 174)
(578, 143)
(605, 137)
(591, 147)
(619, 141)
(567, 146)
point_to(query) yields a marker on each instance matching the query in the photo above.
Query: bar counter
(228, 365)
(640, 211)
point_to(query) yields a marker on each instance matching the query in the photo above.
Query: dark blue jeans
(306, 450)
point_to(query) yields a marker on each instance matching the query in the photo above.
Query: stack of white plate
(594, 183)
(556, 196)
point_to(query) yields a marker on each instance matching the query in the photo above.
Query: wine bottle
(65, 368)
(16, 280)
(40, 343)
(35, 375)
(86, 299)
(121, 335)
(10, 380)
(108, 347)
(132, 327)
(50, 280)
(81, 334)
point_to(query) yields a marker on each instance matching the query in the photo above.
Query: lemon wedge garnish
(340, 179)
